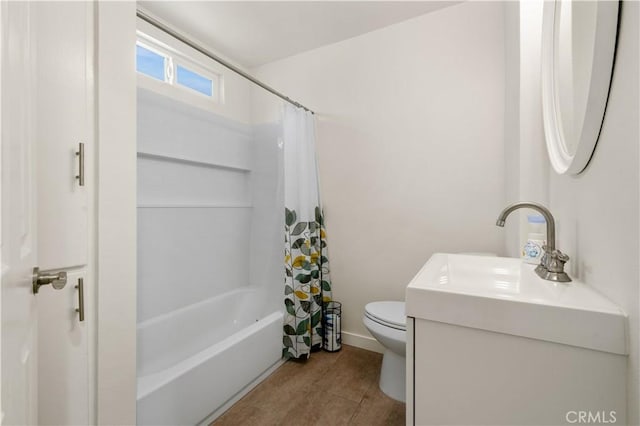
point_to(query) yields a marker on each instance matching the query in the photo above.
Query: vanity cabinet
(491, 343)
(461, 375)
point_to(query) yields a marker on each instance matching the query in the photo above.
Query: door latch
(57, 280)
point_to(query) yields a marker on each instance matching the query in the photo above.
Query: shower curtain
(307, 282)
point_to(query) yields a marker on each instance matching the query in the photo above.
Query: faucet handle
(564, 258)
(552, 266)
(556, 254)
(556, 260)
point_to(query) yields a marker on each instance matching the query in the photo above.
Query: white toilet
(387, 322)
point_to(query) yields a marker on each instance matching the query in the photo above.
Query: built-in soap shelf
(193, 206)
(190, 161)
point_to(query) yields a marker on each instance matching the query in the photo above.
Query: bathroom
(421, 122)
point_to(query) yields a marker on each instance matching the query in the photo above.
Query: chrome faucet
(551, 266)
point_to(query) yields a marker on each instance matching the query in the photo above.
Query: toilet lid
(387, 313)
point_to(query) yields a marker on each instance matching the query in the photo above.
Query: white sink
(505, 295)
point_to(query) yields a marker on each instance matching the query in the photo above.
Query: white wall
(410, 140)
(526, 164)
(597, 211)
(116, 204)
(512, 123)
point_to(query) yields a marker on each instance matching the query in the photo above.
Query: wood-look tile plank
(377, 409)
(328, 389)
(353, 374)
(245, 416)
(321, 408)
(259, 410)
(398, 414)
(293, 377)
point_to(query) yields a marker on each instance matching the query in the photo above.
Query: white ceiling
(257, 32)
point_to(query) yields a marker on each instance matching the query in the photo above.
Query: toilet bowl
(387, 322)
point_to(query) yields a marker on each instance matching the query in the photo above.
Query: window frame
(177, 55)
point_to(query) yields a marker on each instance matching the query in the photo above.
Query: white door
(62, 114)
(62, 347)
(19, 248)
(63, 76)
(46, 113)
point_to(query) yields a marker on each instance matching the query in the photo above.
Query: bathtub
(193, 360)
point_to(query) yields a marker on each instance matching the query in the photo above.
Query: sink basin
(505, 295)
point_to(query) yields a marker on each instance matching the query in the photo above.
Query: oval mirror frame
(602, 68)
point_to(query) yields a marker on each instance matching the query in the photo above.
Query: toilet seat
(388, 314)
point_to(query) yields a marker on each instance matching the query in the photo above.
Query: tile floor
(329, 389)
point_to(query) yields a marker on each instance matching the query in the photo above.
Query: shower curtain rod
(149, 19)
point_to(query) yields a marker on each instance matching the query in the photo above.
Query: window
(194, 81)
(150, 63)
(175, 69)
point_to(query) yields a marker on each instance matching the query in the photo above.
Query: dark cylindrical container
(331, 319)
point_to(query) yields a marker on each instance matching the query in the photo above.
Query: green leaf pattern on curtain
(307, 284)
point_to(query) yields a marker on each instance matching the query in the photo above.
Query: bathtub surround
(410, 146)
(307, 281)
(194, 205)
(210, 202)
